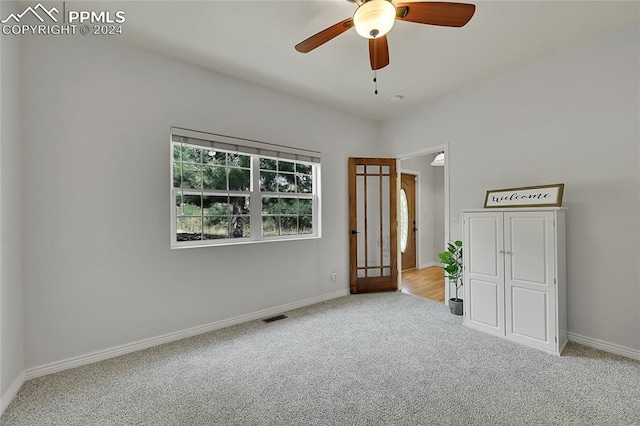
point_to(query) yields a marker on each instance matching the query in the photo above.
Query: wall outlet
(334, 276)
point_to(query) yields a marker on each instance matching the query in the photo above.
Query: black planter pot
(455, 306)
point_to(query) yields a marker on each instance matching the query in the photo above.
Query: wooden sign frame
(527, 196)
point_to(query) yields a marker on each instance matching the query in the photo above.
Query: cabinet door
(484, 271)
(530, 296)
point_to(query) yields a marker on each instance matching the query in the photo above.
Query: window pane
(268, 164)
(239, 179)
(189, 229)
(178, 204)
(191, 176)
(289, 206)
(268, 182)
(176, 152)
(305, 206)
(360, 224)
(373, 222)
(286, 166)
(286, 182)
(303, 168)
(177, 178)
(270, 226)
(214, 178)
(288, 225)
(237, 160)
(306, 224)
(213, 157)
(191, 155)
(305, 183)
(270, 205)
(386, 220)
(216, 227)
(191, 205)
(404, 221)
(215, 205)
(239, 205)
(240, 227)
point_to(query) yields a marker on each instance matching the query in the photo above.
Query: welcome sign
(528, 196)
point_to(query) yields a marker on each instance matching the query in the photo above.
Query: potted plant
(452, 259)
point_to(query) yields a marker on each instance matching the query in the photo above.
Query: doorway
(426, 225)
(408, 220)
(426, 282)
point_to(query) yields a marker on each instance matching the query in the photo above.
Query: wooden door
(372, 225)
(530, 278)
(408, 227)
(484, 271)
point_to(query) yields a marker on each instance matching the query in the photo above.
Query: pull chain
(375, 70)
(375, 81)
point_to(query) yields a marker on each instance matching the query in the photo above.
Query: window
(228, 191)
(287, 197)
(404, 221)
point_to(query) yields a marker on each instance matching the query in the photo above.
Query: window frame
(255, 150)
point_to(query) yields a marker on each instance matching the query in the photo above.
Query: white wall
(430, 211)
(11, 301)
(571, 118)
(99, 271)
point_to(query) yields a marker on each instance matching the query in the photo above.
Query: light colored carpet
(381, 359)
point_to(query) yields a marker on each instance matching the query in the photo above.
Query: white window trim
(254, 149)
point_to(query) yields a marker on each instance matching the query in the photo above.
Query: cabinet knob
(501, 252)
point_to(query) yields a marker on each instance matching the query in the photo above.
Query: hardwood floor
(427, 282)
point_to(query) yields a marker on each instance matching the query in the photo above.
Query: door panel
(372, 225)
(529, 278)
(485, 298)
(530, 317)
(408, 201)
(484, 271)
(483, 233)
(527, 239)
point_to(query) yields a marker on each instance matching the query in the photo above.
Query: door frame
(447, 219)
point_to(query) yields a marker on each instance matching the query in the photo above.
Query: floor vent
(276, 318)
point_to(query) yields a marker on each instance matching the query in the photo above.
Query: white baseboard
(101, 355)
(11, 393)
(605, 346)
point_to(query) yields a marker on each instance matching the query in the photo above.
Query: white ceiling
(254, 41)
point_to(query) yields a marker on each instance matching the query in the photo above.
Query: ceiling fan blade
(378, 52)
(436, 13)
(324, 36)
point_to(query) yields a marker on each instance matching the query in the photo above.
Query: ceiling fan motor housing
(374, 18)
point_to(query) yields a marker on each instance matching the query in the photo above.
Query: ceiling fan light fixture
(374, 18)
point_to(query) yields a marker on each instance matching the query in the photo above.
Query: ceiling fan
(373, 19)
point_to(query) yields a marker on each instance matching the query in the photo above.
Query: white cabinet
(515, 276)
